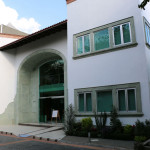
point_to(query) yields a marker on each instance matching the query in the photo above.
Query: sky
(32, 15)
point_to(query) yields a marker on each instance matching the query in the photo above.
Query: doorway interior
(51, 90)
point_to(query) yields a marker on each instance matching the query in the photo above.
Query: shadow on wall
(7, 118)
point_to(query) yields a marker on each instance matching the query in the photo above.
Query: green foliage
(140, 138)
(100, 120)
(114, 121)
(142, 128)
(139, 128)
(128, 129)
(69, 120)
(87, 124)
(143, 4)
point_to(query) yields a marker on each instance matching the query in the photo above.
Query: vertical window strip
(147, 33)
(81, 102)
(87, 43)
(79, 45)
(126, 33)
(131, 100)
(121, 100)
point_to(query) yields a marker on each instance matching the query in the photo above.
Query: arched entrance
(33, 93)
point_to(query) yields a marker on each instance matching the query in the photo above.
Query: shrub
(140, 138)
(139, 128)
(114, 121)
(69, 120)
(87, 124)
(128, 129)
(100, 120)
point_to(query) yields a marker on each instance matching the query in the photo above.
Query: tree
(143, 4)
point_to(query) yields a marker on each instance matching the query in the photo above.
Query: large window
(101, 39)
(104, 101)
(85, 102)
(125, 97)
(106, 38)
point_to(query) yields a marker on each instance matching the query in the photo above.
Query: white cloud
(10, 15)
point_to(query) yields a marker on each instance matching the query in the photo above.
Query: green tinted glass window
(79, 45)
(81, 102)
(88, 102)
(121, 100)
(86, 43)
(101, 39)
(104, 101)
(126, 33)
(131, 100)
(117, 35)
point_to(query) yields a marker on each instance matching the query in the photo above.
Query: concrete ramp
(52, 132)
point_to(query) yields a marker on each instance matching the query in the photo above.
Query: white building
(97, 59)
(9, 34)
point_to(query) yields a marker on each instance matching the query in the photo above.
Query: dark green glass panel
(131, 100)
(104, 101)
(81, 102)
(121, 100)
(51, 88)
(117, 35)
(86, 44)
(52, 73)
(79, 45)
(88, 102)
(126, 33)
(101, 39)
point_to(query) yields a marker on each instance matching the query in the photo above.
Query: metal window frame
(121, 34)
(126, 99)
(85, 109)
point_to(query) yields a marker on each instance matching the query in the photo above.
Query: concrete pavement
(56, 133)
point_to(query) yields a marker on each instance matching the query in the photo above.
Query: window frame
(83, 46)
(113, 88)
(112, 47)
(85, 108)
(121, 32)
(148, 25)
(126, 99)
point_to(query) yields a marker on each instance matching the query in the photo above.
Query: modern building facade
(96, 59)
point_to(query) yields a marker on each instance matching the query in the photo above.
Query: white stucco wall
(11, 60)
(4, 41)
(118, 67)
(7, 76)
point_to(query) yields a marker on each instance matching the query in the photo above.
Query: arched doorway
(29, 95)
(51, 89)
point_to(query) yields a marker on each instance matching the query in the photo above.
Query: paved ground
(9, 142)
(115, 144)
(54, 133)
